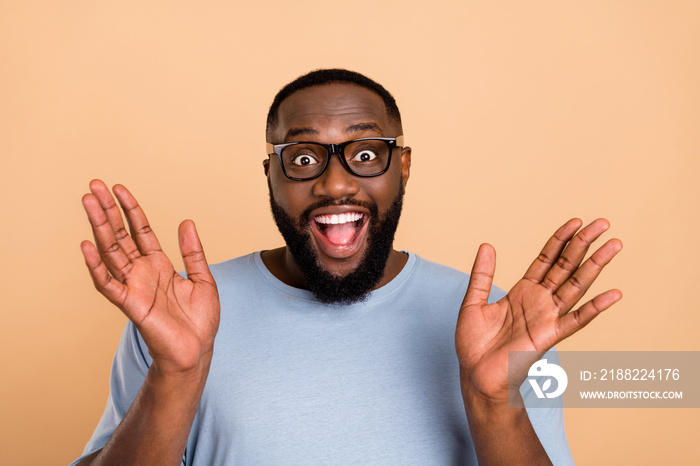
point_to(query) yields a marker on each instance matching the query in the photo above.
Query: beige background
(520, 114)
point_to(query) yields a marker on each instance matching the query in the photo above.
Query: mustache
(371, 206)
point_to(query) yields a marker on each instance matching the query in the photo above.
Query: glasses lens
(304, 160)
(368, 157)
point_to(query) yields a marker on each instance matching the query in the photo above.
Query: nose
(336, 182)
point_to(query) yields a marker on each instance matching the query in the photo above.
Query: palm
(177, 317)
(534, 315)
(170, 311)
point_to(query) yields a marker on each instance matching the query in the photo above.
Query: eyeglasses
(363, 157)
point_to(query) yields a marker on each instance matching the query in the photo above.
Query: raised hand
(177, 317)
(536, 313)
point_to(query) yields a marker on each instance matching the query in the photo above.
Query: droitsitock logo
(548, 371)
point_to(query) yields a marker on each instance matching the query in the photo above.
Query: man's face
(367, 209)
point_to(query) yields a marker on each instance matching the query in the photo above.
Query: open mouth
(340, 229)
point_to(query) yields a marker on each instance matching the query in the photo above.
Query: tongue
(340, 234)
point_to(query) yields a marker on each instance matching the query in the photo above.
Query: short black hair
(328, 76)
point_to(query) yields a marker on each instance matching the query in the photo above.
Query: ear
(405, 164)
(266, 166)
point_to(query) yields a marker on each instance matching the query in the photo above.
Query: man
(336, 348)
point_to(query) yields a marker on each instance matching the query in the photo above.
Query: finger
(112, 254)
(481, 277)
(568, 294)
(568, 261)
(141, 232)
(114, 217)
(574, 321)
(107, 285)
(193, 254)
(551, 251)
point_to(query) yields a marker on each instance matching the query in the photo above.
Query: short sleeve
(129, 368)
(549, 423)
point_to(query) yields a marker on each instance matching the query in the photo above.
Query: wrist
(166, 374)
(186, 363)
(480, 407)
(488, 390)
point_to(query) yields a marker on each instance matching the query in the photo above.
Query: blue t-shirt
(293, 381)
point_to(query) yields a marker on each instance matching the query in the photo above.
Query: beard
(354, 287)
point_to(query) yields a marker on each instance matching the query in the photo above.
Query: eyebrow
(364, 127)
(304, 130)
(292, 132)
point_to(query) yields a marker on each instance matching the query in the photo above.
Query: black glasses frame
(392, 143)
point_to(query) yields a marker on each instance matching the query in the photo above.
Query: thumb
(481, 277)
(192, 253)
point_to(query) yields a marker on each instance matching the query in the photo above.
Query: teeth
(339, 218)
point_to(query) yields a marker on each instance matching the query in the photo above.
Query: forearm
(502, 435)
(156, 427)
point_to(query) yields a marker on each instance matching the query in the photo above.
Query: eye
(364, 156)
(304, 160)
